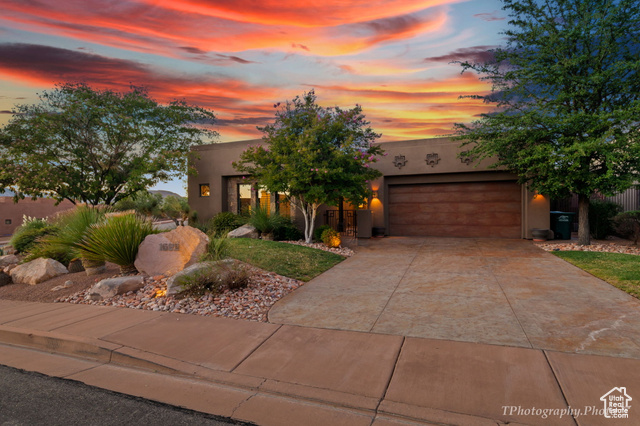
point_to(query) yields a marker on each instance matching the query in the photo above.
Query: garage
(460, 209)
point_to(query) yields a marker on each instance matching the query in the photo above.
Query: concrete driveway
(504, 292)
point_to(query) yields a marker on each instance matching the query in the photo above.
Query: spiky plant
(265, 222)
(116, 240)
(72, 227)
(218, 247)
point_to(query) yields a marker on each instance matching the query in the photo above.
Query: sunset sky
(240, 57)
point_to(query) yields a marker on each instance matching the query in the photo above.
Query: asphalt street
(28, 398)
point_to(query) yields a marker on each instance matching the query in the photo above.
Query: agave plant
(116, 240)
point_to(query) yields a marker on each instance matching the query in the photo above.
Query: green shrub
(317, 234)
(331, 238)
(287, 231)
(143, 202)
(204, 227)
(42, 249)
(218, 247)
(214, 279)
(72, 226)
(27, 235)
(627, 225)
(601, 214)
(225, 222)
(116, 240)
(265, 222)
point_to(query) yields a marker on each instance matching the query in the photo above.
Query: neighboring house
(426, 190)
(11, 213)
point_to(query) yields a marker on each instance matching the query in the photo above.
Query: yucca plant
(71, 228)
(265, 222)
(116, 240)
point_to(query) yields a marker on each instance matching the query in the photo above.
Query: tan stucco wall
(214, 167)
(40, 208)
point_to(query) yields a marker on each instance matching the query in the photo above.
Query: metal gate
(345, 225)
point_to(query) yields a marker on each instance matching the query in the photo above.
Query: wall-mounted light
(374, 194)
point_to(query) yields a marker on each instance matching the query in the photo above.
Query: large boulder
(110, 287)
(10, 259)
(171, 252)
(174, 284)
(37, 271)
(245, 231)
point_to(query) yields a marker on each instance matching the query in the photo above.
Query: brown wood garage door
(469, 209)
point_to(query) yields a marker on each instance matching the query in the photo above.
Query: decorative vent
(400, 161)
(432, 159)
(466, 157)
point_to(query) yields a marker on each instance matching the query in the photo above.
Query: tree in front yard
(567, 91)
(97, 146)
(314, 155)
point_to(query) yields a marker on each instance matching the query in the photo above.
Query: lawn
(290, 260)
(620, 270)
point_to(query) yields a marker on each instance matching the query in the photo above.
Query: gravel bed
(342, 251)
(250, 303)
(598, 247)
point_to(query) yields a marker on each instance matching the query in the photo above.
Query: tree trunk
(314, 210)
(307, 231)
(584, 233)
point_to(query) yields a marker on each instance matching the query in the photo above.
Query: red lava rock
(252, 303)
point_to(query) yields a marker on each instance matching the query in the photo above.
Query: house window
(7, 221)
(264, 200)
(244, 197)
(282, 205)
(205, 190)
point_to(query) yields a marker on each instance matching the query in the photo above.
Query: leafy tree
(176, 208)
(143, 202)
(314, 155)
(567, 91)
(96, 146)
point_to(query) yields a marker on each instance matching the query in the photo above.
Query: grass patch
(619, 270)
(290, 260)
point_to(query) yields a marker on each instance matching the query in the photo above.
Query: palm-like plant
(116, 240)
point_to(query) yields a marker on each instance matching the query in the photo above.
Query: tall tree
(97, 146)
(567, 91)
(314, 155)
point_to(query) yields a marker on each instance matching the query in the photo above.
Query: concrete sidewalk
(289, 375)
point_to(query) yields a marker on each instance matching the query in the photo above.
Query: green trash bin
(561, 224)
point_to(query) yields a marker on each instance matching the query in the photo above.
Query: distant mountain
(164, 193)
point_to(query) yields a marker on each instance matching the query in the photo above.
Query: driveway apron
(503, 292)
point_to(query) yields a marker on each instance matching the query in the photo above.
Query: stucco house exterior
(11, 213)
(425, 190)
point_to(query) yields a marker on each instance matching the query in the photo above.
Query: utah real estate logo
(616, 403)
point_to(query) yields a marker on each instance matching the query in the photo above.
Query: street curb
(79, 347)
(305, 399)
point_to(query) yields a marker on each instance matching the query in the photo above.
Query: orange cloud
(300, 14)
(182, 27)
